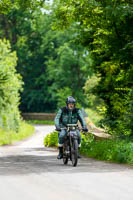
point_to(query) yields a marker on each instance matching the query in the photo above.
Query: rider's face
(70, 106)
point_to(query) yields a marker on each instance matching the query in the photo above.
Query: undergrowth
(114, 150)
(44, 122)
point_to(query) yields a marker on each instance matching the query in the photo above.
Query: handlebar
(72, 125)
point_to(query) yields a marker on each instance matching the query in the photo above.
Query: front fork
(68, 145)
(72, 139)
(66, 148)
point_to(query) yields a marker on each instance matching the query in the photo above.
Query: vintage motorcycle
(70, 146)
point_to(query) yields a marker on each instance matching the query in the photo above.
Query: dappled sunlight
(24, 161)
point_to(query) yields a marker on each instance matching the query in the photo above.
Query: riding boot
(60, 155)
(79, 156)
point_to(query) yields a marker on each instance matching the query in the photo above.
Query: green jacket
(66, 116)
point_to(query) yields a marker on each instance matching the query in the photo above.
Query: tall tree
(106, 29)
(48, 59)
(10, 80)
(70, 69)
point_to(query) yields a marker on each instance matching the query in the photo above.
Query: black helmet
(70, 100)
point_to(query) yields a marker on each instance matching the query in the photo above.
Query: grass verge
(40, 122)
(114, 150)
(9, 137)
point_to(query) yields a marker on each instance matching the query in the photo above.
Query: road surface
(28, 171)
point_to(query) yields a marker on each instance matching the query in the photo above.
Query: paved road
(28, 171)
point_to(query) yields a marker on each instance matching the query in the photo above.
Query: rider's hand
(85, 129)
(58, 129)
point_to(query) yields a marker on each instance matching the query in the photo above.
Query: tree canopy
(82, 48)
(8, 5)
(48, 59)
(106, 30)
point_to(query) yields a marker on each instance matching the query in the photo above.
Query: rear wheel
(74, 153)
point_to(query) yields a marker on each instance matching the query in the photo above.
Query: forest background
(78, 48)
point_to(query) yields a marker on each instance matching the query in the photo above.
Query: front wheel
(74, 152)
(65, 155)
(65, 160)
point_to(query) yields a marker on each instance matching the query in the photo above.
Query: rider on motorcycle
(68, 115)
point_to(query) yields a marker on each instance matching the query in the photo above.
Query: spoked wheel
(74, 153)
(65, 160)
(65, 156)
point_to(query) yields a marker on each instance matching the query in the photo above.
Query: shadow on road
(39, 160)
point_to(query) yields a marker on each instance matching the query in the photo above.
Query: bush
(115, 150)
(51, 139)
(10, 84)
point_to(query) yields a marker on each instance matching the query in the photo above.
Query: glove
(58, 129)
(85, 129)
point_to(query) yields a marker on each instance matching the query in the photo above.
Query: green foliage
(49, 60)
(105, 28)
(10, 85)
(55, 64)
(94, 116)
(92, 98)
(51, 139)
(68, 70)
(8, 5)
(40, 122)
(8, 137)
(28, 33)
(115, 150)
(62, 95)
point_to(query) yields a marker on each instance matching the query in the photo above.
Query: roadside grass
(113, 150)
(8, 137)
(40, 122)
(93, 116)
